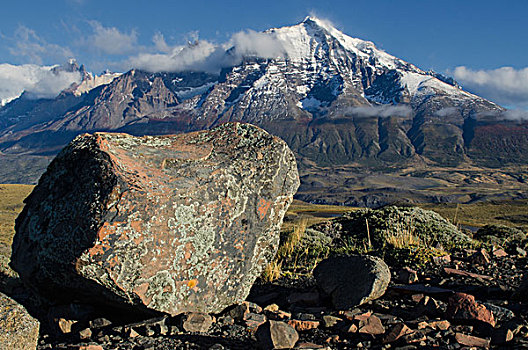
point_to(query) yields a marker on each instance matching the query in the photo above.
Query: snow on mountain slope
(47, 81)
(318, 47)
(91, 81)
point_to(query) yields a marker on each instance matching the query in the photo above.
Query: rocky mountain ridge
(334, 99)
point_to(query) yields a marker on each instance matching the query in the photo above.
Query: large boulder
(18, 329)
(178, 223)
(352, 280)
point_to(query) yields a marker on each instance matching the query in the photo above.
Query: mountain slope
(335, 99)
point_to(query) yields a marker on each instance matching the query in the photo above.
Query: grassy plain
(11, 203)
(513, 213)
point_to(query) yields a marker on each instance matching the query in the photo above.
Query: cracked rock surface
(178, 223)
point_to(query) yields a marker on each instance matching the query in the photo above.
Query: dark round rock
(352, 280)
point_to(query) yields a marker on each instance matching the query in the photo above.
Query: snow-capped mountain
(335, 99)
(47, 81)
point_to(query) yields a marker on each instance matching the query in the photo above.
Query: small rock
(372, 325)
(65, 325)
(237, 312)
(18, 329)
(417, 297)
(464, 307)
(90, 347)
(333, 338)
(407, 276)
(99, 323)
(254, 321)
(520, 252)
(414, 337)
(277, 335)
(359, 317)
(458, 272)
(132, 333)
(501, 336)
(352, 328)
(352, 280)
(149, 327)
(305, 316)
(499, 253)
(253, 307)
(480, 257)
(197, 322)
(85, 334)
(442, 325)
(469, 340)
(272, 308)
(500, 313)
(398, 331)
(351, 314)
(430, 307)
(303, 325)
(279, 315)
(226, 320)
(330, 321)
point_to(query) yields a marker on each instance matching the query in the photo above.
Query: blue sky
(483, 36)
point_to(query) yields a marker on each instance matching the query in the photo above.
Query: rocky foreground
(156, 242)
(458, 298)
(467, 299)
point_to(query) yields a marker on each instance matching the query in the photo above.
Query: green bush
(500, 235)
(395, 226)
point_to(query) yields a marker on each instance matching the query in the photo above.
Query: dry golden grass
(312, 213)
(286, 249)
(11, 203)
(272, 271)
(403, 237)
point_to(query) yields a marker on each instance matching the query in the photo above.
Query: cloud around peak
(35, 81)
(506, 85)
(202, 55)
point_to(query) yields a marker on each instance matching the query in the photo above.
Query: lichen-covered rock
(180, 223)
(352, 280)
(18, 329)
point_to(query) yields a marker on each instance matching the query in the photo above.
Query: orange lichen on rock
(263, 207)
(176, 223)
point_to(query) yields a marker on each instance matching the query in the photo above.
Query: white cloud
(110, 40)
(251, 43)
(30, 45)
(506, 85)
(36, 81)
(445, 112)
(516, 114)
(201, 55)
(380, 111)
(198, 56)
(160, 44)
(509, 114)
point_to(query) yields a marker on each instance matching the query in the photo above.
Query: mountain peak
(319, 22)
